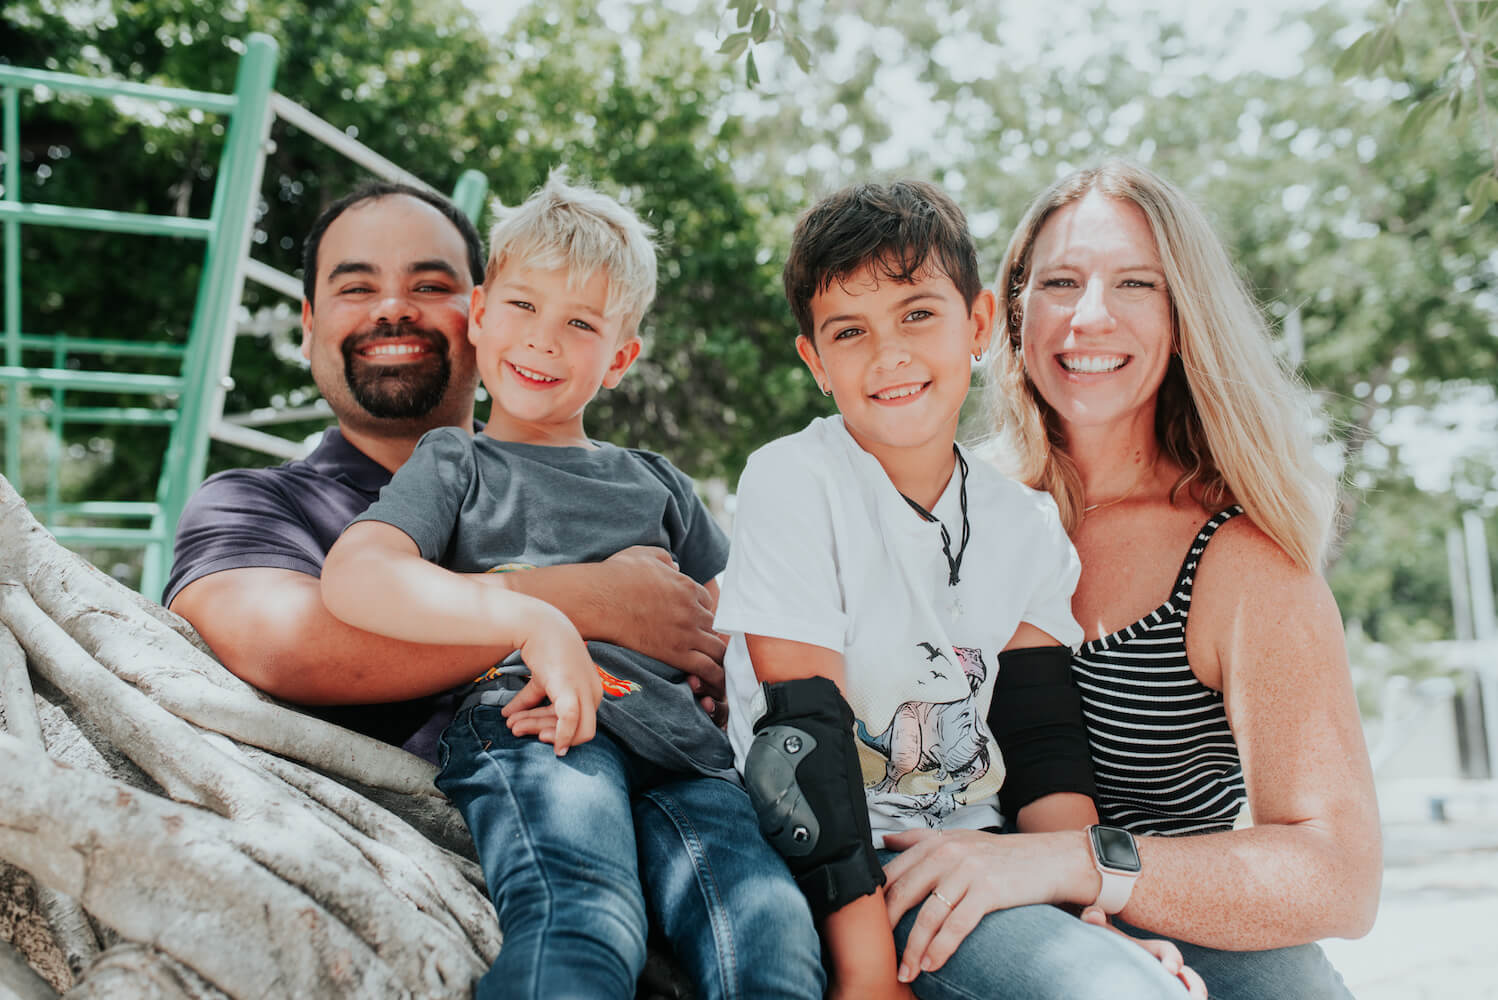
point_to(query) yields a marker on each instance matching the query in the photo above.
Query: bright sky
(1254, 24)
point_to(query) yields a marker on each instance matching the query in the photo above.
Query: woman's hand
(957, 876)
(1165, 951)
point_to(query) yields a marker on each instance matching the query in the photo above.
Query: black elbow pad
(803, 777)
(1036, 717)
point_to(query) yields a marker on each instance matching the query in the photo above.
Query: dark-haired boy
(898, 614)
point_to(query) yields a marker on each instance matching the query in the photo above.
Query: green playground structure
(190, 403)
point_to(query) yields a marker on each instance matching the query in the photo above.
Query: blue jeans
(1041, 953)
(577, 850)
(1302, 972)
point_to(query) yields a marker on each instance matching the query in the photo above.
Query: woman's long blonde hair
(1229, 412)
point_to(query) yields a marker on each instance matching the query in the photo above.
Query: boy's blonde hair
(572, 227)
(1229, 412)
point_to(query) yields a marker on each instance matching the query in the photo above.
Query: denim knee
(1042, 953)
(555, 839)
(725, 899)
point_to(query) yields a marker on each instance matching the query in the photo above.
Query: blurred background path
(1437, 928)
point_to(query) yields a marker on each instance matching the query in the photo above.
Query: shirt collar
(337, 459)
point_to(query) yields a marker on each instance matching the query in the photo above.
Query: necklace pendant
(954, 606)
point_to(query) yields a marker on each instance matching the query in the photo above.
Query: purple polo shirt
(288, 517)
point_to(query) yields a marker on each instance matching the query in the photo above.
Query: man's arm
(270, 627)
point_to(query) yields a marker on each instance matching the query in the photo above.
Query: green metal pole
(68, 83)
(469, 193)
(55, 420)
(12, 144)
(100, 220)
(234, 200)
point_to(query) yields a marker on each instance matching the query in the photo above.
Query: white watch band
(1117, 887)
(1118, 884)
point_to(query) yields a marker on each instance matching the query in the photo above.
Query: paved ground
(1437, 929)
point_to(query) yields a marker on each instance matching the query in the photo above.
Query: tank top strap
(1186, 579)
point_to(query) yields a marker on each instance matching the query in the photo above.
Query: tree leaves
(1465, 70)
(1418, 117)
(1372, 52)
(799, 52)
(761, 28)
(759, 22)
(734, 45)
(1482, 193)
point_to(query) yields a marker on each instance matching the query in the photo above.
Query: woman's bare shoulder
(1252, 605)
(1245, 562)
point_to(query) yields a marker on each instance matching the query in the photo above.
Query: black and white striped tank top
(1165, 759)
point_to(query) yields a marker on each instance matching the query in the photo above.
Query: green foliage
(1392, 577)
(421, 83)
(1336, 184)
(756, 23)
(1454, 73)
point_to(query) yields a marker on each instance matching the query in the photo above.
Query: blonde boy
(581, 831)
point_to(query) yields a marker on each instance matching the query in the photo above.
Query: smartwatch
(1117, 860)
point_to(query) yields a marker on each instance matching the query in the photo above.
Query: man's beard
(402, 391)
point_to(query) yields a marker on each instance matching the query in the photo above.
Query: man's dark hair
(899, 230)
(371, 191)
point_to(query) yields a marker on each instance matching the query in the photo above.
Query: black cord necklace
(953, 564)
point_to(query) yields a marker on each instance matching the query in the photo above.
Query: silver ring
(950, 905)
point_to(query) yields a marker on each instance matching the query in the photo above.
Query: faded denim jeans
(579, 851)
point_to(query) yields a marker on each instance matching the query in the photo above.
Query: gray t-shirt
(478, 505)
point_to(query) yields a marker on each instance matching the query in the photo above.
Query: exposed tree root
(190, 838)
(221, 837)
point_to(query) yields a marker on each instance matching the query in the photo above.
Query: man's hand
(647, 605)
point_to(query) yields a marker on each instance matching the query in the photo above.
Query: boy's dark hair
(897, 229)
(371, 191)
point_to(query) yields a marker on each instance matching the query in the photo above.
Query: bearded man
(388, 272)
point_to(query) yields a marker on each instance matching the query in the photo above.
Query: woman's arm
(858, 935)
(1310, 865)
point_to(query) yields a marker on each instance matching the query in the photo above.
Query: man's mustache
(433, 340)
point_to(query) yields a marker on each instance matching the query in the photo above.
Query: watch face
(1115, 848)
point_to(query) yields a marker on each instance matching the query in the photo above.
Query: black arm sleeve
(1036, 717)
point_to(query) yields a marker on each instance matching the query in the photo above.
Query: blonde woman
(1135, 381)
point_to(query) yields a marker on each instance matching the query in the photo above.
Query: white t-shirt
(826, 551)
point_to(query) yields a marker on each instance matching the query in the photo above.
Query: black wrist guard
(1036, 717)
(807, 788)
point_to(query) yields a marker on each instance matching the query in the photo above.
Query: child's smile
(531, 376)
(901, 394)
(897, 358)
(545, 347)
